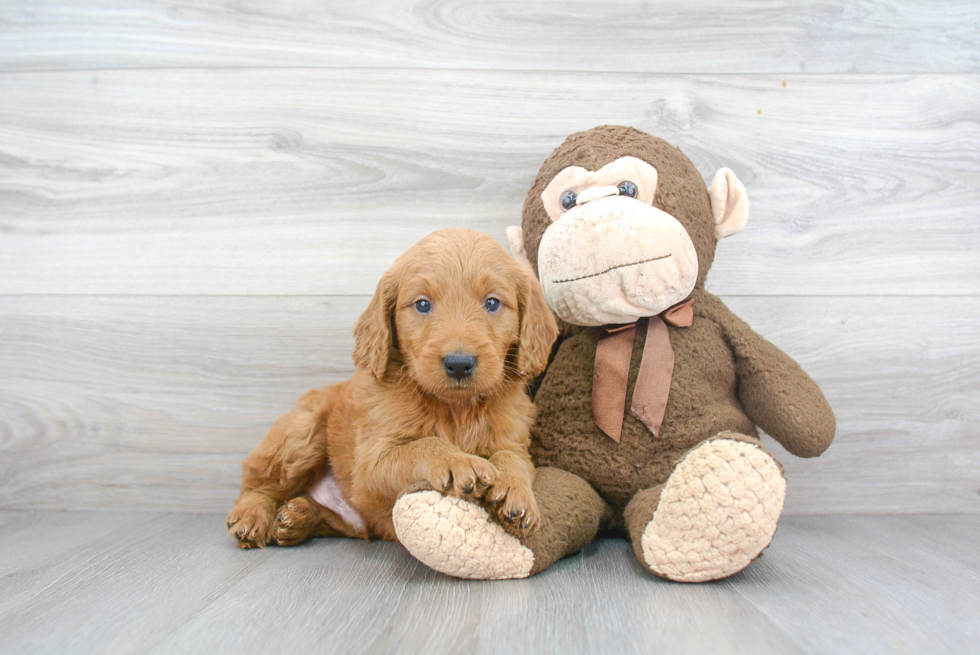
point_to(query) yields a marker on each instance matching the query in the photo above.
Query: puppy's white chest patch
(326, 491)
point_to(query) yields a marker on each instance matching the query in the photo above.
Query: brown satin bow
(612, 368)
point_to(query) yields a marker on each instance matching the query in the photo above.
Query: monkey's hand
(777, 394)
(780, 398)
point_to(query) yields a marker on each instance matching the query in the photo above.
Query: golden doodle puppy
(442, 353)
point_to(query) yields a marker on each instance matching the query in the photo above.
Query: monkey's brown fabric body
(703, 401)
(726, 377)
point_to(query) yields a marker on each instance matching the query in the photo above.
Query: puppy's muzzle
(459, 365)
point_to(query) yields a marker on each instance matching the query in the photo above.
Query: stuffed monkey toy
(647, 413)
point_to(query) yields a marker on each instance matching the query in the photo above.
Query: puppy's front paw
(251, 520)
(513, 501)
(462, 475)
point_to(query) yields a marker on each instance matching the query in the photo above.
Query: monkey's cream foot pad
(458, 538)
(717, 512)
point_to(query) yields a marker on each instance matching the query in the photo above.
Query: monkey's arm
(777, 394)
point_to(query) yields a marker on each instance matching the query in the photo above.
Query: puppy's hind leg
(281, 467)
(303, 517)
(298, 520)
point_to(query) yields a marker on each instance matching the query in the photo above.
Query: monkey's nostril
(459, 365)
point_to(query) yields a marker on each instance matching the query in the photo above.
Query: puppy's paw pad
(458, 538)
(294, 522)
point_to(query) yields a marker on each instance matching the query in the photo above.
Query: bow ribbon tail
(612, 369)
(614, 351)
(653, 383)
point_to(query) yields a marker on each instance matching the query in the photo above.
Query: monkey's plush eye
(568, 200)
(627, 188)
(423, 306)
(492, 305)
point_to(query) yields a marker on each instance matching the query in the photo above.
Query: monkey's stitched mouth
(611, 268)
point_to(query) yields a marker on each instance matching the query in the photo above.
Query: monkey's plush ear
(515, 235)
(373, 332)
(729, 203)
(539, 329)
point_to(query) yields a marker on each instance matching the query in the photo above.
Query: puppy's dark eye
(492, 305)
(627, 188)
(568, 200)
(423, 306)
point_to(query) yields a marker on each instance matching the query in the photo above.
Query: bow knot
(612, 365)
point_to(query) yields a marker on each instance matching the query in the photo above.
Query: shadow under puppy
(438, 399)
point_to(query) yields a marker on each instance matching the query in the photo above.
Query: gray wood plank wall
(196, 201)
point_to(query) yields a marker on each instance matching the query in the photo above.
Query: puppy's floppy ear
(538, 326)
(373, 332)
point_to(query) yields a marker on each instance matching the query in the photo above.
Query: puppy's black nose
(459, 365)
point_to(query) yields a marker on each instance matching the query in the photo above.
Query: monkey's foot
(458, 538)
(716, 513)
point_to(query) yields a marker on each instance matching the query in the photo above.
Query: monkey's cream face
(609, 256)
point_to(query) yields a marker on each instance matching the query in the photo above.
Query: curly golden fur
(403, 420)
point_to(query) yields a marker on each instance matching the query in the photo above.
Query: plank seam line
(708, 74)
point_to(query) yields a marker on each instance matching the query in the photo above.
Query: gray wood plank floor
(109, 582)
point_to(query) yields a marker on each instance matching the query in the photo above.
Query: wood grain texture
(312, 181)
(665, 36)
(154, 401)
(133, 402)
(196, 199)
(601, 601)
(122, 593)
(177, 584)
(894, 576)
(32, 537)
